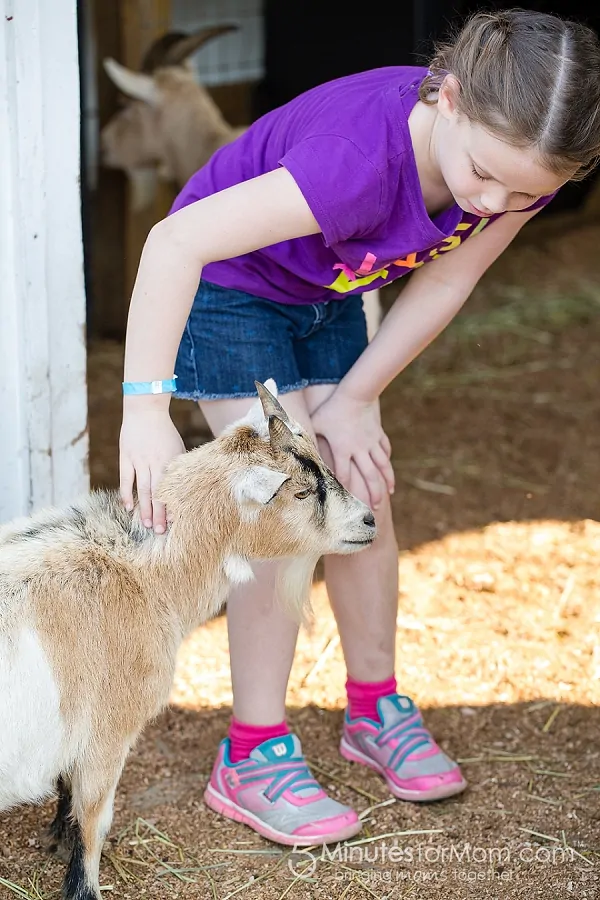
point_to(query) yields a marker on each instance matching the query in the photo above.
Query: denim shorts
(232, 339)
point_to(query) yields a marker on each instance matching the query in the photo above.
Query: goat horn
(173, 48)
(280, 433)
(134, 84)
(271, 406)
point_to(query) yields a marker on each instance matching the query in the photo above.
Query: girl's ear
(448, 97)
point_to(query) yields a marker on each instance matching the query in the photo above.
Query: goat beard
(294, 586)
(143, 188)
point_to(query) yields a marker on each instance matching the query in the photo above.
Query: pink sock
(363, 696)
(244, 738)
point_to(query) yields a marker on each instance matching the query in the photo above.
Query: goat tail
(373, 313)
(293, 586)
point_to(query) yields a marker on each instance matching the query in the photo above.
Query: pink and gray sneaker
(403, 751)
(275, 794)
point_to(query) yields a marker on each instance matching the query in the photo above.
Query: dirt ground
(497, 456)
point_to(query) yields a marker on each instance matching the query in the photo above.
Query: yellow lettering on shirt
(343, 283)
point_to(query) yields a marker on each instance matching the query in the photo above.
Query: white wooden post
(43, 400)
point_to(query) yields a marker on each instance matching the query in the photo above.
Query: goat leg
(93, 794)
(60, 838)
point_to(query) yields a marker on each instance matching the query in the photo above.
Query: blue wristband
(149, 387)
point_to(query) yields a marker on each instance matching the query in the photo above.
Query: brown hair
(532, 80)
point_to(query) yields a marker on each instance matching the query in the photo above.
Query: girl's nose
(494, 201)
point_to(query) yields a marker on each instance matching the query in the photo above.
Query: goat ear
(258, 484)
(134, 84)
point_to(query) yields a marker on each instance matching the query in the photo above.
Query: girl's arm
(434, 295)
(242, 218)
(245, 217)
(349, 420)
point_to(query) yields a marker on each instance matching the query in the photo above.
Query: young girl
(351, 185)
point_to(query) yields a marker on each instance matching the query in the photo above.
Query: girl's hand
(359, 446)
(149, 440)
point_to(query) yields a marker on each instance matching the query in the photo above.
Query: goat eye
(302, 495)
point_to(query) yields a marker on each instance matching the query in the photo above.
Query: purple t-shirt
(348, 147)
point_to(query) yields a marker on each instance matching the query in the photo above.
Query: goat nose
(369, 519)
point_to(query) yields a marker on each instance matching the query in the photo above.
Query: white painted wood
(43, 401)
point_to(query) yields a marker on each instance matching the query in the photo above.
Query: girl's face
(484, 174)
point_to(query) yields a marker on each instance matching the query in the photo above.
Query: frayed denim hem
(197, 396)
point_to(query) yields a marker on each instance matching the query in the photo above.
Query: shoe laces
(293, 775)
(410, 734)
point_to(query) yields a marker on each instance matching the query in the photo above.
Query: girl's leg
(382, 729)
(262, 639)
(363, 588)
(290, 807)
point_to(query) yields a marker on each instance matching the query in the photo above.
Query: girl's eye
(302, 495)
(481, 177)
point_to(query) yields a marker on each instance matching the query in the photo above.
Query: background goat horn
(173, 48)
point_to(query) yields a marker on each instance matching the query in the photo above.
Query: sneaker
(274, 793)
(403, 751)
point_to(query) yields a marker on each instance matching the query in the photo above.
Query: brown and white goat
(171, 126)
(93, 608)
